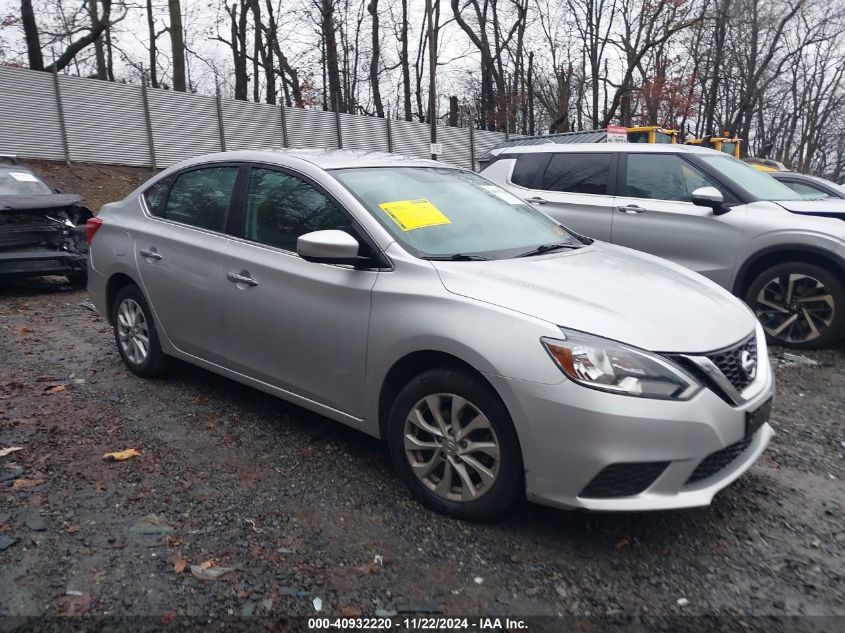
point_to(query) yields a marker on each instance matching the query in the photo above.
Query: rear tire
(464, 461)
(135, 334)
(800, 305)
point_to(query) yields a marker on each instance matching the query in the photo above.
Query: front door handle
(241, 278)
(150, 253)
(537, 200)
(632, 208)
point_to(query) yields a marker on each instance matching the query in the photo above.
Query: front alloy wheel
(452, 447)
(454, 444)
(799, 305)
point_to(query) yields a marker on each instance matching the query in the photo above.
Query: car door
(575, 188)
(177, 254)
(654, 213)
(294, 324)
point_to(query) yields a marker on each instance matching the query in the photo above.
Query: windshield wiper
(457, 257)
(548, 248)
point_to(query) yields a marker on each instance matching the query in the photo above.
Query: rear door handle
(246, 280)
(537, 200)
(632, 208)
(150, 253)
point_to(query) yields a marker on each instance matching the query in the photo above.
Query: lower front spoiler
(38, 262)
(658, 497)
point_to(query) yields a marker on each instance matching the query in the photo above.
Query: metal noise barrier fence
(58, 117)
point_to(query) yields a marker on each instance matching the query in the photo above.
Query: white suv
(706, 210)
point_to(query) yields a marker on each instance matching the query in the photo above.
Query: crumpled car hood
(612, 292)
(43, 201)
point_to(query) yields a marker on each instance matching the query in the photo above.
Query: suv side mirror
(329, 247)
(709, 197)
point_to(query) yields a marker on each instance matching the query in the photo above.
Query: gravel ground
(304, 508)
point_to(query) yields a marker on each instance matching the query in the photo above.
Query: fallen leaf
(180, 565)
(151, 525)
(24, 330)
(76, 604)
(623, 542)
(210, 573)
(73, 529)
(206, 564)
(10, 450)
(21, 484)
(171, 541)
(120, 456)
(54, 389)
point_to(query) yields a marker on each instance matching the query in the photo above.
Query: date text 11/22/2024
(419, 623)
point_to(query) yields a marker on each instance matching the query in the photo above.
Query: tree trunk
(332, 67)
(374, 59)
(405, 63)
(30, 29)
(177, 45)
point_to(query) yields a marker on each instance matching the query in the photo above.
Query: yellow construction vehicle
(727, 144)
(651, 134)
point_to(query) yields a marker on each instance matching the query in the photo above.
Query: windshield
(662, 137)
(760, 185)
(729, 147)
(17, 181)
(435, 212)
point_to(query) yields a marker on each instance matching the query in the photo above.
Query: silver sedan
(496, 352)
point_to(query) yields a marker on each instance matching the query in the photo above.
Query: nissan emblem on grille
(739, 363)
(748, 362)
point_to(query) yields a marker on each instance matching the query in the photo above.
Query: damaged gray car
(42, 231)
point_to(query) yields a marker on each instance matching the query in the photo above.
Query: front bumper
(37, 261)
(570, 434)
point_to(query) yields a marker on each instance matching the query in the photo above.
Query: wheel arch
(773, 255)
(411, 365)
(113, 286)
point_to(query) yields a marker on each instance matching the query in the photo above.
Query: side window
(156, 196)
(201, 197)
(806, 190)
(526, 173)
(281, 207)
(578, 173)
(663, 177)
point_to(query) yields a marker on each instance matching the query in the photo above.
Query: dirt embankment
(96, 183)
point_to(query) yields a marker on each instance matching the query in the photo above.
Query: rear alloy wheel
(453, 442)
(799, 305)
(135, 334)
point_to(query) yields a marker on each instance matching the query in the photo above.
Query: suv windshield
(760, 185)
(447, 213)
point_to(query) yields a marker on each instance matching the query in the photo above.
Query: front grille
(623, 480)
(730, 364)
(715, 462)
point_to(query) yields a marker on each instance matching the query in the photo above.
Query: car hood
(41, 201)
(612, 292)
(825, 208)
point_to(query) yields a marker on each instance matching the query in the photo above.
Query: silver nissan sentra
(496, 352)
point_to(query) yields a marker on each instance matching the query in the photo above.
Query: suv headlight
(610, 366)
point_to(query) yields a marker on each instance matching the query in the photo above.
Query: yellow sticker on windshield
(414, 214)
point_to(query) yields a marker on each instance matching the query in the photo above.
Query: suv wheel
(800, 305)
(135, 334)
(454, 445)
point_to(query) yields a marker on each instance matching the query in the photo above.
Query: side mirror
(709, 197)
(329, 247)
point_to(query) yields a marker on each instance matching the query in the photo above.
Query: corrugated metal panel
(311, 128)
(29, 119)
(363, 132)
(105, 121)
(411, 138)
(455, 142)
(184, 125)
(252, 125)
(486, 140)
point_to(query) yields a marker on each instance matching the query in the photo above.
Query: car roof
(322, 158)
(568, 148)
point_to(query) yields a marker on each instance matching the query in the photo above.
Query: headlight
(610, 366)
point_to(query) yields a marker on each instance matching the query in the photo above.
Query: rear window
(578, 173)
(528, 169)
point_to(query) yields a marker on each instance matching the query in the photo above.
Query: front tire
(454, 445)
(800, 305)
(135, 334)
